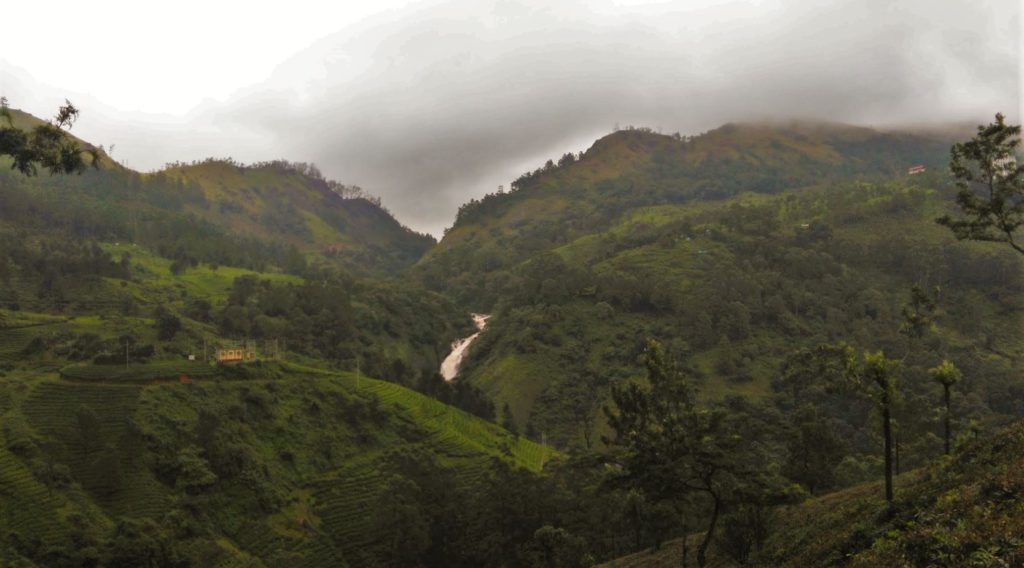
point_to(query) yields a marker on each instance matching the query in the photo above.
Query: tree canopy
(48, 145)
(991, 184)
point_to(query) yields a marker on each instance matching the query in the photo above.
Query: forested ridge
(712, 336)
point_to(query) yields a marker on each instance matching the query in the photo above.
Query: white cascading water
(450, 365)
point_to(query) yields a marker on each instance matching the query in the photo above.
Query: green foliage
(553, 547)
(736, 292)
(239, 462)
(167, 324)
(193, 472)
(402, 525)
(138, 373)
(991, 183)
(675, 449)
(47, 145)
(388, 330)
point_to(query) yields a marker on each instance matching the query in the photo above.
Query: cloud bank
(432, 105)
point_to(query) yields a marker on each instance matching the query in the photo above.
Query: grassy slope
(964, 511)
(152, 276)
(275, 204)
(322, 492)
(323, 510)
(271, 203)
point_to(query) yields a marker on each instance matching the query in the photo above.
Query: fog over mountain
(438, 102)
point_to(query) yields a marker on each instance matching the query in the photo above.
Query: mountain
(291, 203)
(576, 196)
(126, 439)
(279, 204)
(130, 432)
(962, 511)
(123, 442)
(737, 248)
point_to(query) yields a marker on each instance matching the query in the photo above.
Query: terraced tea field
(465, 445)
(53, 409)
(13, 341)
(456, 432)
(142, 373)
(30, 509)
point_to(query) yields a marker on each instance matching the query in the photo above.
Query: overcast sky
(430, 103)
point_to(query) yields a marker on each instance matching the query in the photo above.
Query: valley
(678, 345)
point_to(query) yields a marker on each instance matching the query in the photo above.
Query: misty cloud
(430, 106)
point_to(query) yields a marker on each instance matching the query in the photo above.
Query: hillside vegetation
(732, 336)
(964, 511)
(118, 449)
(219, 211)
(736, 248)
(276, 463)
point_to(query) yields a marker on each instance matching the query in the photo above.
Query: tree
(553, 547)
(676, 450)
(401, 523)
(991, 185)
(947, 375)
(917, 314)
(193, 472)
(141, 543)
(167, 324)
(47, 145)
(508, 420)
(874, 375)
(89, 428)
(815, 449)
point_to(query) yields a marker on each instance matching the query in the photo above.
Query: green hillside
(964, 511)
(289, 461)
(117, 449)
(580, 195)
(293, 203)
(275, 463)
(736, 248)
(218, 210)
(681, 340)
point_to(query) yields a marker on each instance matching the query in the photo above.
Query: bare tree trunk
(702, 551)
(637, 527)
(686, 542)
(896, 447)
(945, 396)
(887, 434)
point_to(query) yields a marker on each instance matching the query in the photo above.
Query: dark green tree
(675, 450)
(167, 324)
(815, 449)
(89, 428)
(141, 543)
(193, 472)
(874, 375)
(107, 477)
(991, 185)
(47, 145)
(917, 314)
(508, 421)
(401, 523)
(553, 547)
(947, 375)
